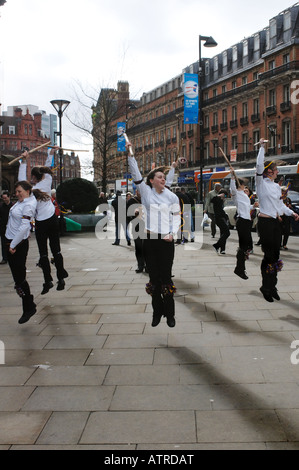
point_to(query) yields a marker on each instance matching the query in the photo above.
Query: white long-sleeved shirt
(162, 210)
(268, 192)
(44, 209)
(241, 200)
(18, 226)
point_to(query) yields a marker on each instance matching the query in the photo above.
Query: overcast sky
(48, 46)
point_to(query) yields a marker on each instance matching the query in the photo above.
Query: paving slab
(88, 372)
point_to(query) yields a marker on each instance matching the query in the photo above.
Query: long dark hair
(40, 171)
(41, 195)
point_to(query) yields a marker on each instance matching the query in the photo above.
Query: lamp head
(210, 42)
(60, 105)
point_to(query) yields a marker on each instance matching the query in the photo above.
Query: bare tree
(98, 122)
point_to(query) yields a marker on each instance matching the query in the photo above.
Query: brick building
(25, 130)
(248, 93)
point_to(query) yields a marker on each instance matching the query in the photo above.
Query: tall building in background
(48, 121)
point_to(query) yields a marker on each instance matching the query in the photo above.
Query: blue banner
(191, 102)
(121, 143)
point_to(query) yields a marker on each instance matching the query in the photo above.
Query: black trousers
(17, 264)
(222, 223)
(159, 256)
(270, 236)
(49, 230)
(245, 241)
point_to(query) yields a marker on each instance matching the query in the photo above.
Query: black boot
(240, 267)
(29, 307)
(61, 272)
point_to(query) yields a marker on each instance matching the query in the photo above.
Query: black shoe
(46, 287)
(156, 320)
(216, 249)
(275, 295)
(267, 295)
(139, 270)
(60, 284)
(27, 315)
(115, 243)
(170, 322)
(240, 273)
(129, 242)
(3, 261)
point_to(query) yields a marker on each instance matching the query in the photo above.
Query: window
(286, 59)
(174, 132)
(235, 53)
(286, 133)
(245, 110)
(256, 136)
(207, 67)
(207, 149)
(215, 63)
(287, 20)
(245, 143)
(224, 58)
(234, 113)
(223, 90)
(191, 152)
(244, 80)
(25, 129)
(256, 42)
(272, 28)
(286, 93)
(11, 130)
(255, 76)
(245, 48)
(256, 106)
(234, 84)
(271, 65)
(224, 116)
(215, 119)
(207, 121)
(214, 92)
(215, 148)
(234, 142)
(272, 97)
(224, 145)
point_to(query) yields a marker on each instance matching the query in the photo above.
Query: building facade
(25, 130)
(249, 92)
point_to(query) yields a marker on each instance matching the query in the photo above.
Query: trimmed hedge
(78, 195)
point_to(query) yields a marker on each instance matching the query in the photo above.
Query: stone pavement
(89, 372)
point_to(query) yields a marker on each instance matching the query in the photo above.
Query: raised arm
(22, 175)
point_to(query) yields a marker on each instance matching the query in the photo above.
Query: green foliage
(78, 195)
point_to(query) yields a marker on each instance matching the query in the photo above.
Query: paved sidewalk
(89, 372)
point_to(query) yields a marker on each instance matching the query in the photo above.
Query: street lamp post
(209, 42)
(128, 106)
(60, 106)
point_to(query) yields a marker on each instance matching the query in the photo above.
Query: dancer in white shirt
(162, 221)
(271, 206)
(243, 224)
(46, 222)
(16, 235)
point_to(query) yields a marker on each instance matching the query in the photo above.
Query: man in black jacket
(120, 218)
(221, 220)
(4, 213)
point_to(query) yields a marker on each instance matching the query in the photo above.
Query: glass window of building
(287, 21)
(224, 58)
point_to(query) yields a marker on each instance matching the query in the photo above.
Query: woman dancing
(271, 206)
(162, 221)
(46, 222)
(16, 235)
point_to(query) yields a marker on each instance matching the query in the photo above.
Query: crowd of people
(158, 219)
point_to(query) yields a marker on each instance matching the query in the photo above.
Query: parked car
(231, 210)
